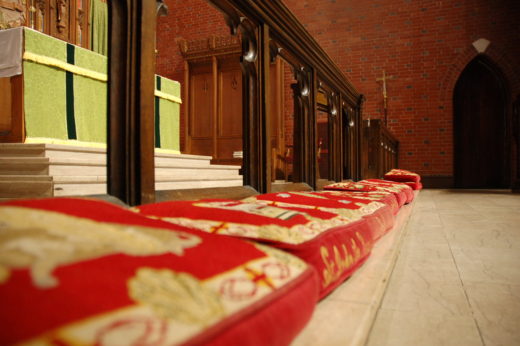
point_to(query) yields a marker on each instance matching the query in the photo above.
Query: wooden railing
(380, 149)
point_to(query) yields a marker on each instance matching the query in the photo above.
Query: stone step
(21, 150)
(162, 158)
(44, 170)
(25, 178)
(97, 185)
(191, 172)
(75, 167)
(18, 188)
(197, 184)
(24, 166)
(59, 152)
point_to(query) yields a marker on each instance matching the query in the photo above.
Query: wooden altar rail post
(132, 26)
(130, 142)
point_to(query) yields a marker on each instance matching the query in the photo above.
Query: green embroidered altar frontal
(65, 94)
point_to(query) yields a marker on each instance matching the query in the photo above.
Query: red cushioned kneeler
(402, 175)
(371, 192)
(403, 192)
(80, 271)
(378, 215)
(335, 245)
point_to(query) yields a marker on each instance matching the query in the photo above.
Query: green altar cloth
(65, 95)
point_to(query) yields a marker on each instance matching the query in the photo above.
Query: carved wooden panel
(214, 80)
(63, 19)
(229, 117)
(60, 17)
(230, 102)
(201, 112)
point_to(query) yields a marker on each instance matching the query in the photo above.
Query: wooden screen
(63, 19)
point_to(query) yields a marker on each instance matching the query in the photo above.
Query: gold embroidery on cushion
(251, 208)
(178, 296)
(282, 256)
(149, 327)
(44, 240)
(4, 274)
(334, 268)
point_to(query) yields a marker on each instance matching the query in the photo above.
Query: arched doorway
(481, 143)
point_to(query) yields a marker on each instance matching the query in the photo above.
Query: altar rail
(380, 149)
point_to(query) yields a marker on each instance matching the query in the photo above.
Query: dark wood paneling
(230, 103)
(202, 146)
(226, 147)
(201, 104)
(516, 145)
(437, 182)
(380, 149)
(323, 145)
(12, 127)
(63, 19)
(481, 143)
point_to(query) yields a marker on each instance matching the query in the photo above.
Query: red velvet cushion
(351, 186)
(80, 271)
(371, 192)
(402, 191)
(378, 215)
(335, 245)
(402, 175)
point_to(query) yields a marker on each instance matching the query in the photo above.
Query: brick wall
(424, 45)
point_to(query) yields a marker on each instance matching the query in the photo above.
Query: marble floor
(447, 275)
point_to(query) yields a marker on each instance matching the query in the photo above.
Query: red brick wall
(425, 45)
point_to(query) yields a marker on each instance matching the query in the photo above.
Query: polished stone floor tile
(497, 312)
(450, 277)
(332, 324)
(402, 328)
(490, 265)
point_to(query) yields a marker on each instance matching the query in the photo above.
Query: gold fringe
(45, 60)
(75, 143)
(168, 97)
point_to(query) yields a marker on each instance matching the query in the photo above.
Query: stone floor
(454, 278)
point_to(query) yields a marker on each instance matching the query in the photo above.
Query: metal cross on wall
(383, 79)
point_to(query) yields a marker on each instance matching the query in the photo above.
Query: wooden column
(130, 152)
(515, 176)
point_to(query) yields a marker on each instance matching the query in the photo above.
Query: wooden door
(201, 111)
(480, 137)
(229, 131)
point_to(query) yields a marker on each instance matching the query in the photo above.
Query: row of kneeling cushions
(82, 271)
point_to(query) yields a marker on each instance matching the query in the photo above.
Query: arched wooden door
(481, 143)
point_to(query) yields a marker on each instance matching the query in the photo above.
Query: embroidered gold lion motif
(177, 296)
(44, 240)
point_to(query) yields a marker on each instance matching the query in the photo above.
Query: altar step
(45, 170)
